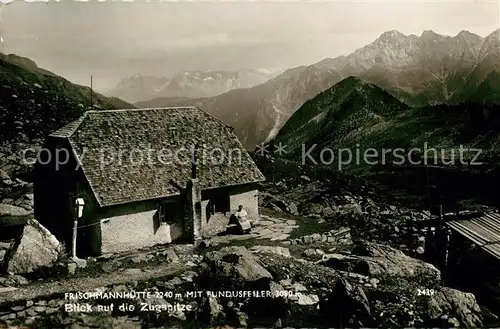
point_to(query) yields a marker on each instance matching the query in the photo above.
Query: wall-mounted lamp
(79, 205)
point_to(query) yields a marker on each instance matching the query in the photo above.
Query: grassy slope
(359, 116)
(34, 102)
(353, 112)
(339, 116)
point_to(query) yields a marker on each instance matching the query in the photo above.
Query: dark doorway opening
(218, 203)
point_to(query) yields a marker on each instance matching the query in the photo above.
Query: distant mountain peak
(465, 33)
(189, 84)
(419, 69)
(138, 75)
(429, 33)
(496, 32)
(494, 36)
(390, 36)
(352, 79)
(356, 85)
(141, 78)
(468, 37)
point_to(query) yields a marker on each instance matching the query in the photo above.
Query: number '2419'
(425, 292)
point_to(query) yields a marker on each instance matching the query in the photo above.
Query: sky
(113, 40)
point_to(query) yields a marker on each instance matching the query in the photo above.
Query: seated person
(240, 219)
(241, 214)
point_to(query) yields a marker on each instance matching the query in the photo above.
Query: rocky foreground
(327, 252)
(372, 286)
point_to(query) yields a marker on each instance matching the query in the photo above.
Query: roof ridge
(76, 122)
(143, 109)
(80, 119)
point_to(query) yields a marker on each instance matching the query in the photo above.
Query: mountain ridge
(420, 70)
(356, 116)
(338, 115)
(189, 84)
(35, 102)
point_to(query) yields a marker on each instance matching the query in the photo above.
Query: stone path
(269, 228)
(274, 229)
(44, 289)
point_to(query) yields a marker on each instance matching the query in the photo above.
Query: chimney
(194, 160)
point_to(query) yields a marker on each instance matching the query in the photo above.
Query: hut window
(166, 213)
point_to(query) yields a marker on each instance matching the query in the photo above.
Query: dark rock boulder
(212, 312)
(347, 306)
(271, 249)
(36, 249)
(236, 267)
(292, 209)
(7, 210)
(277, 203)
(462, 306)
(381, 261)
(12, 221)
(26, 202)
(4, 175)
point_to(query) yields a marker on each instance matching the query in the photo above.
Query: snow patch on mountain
(189, 84)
